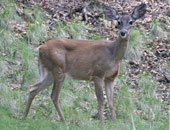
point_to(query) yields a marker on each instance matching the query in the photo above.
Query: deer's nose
(123, 33)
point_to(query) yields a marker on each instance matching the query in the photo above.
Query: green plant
(124, 106)
(36, 28)
(154, 25)
(74, 30)
(135, 45)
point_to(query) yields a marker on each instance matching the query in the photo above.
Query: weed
(73, 30)
(135, 45)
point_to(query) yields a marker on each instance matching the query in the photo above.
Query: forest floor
(142, 88)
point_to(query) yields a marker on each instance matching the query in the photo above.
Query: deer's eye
(130, 22)
(118, 22)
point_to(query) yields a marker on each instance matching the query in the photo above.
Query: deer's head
(124, 22)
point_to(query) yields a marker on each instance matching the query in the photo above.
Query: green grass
(9, 122)
(73, 29)
(135, 44)
(37, 29)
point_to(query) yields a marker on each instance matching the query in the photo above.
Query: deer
(90, 60)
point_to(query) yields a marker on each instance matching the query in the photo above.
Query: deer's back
(80, 59)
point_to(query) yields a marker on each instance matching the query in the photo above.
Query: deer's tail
(40, 67)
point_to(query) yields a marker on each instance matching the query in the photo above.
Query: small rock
(83, 105)
(93, 112)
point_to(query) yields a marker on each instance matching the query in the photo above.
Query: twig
(133, 124)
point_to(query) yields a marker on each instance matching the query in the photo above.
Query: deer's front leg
(109, 92)
(99, 82)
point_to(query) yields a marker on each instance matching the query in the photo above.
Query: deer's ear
(139, 11)
(110, 13)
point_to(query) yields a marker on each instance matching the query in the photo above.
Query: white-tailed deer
(97, 61)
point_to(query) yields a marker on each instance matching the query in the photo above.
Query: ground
(141, 88)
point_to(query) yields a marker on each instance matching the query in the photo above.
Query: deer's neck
(120, 47)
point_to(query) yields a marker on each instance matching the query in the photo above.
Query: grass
(9, 122)
(18, 69)
(159, 29)
(73, 29)
(135, 44)
(37, 29)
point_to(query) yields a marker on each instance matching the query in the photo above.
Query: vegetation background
(142, 88)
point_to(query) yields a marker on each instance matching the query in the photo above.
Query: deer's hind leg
(35, 89)
(59, 77)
